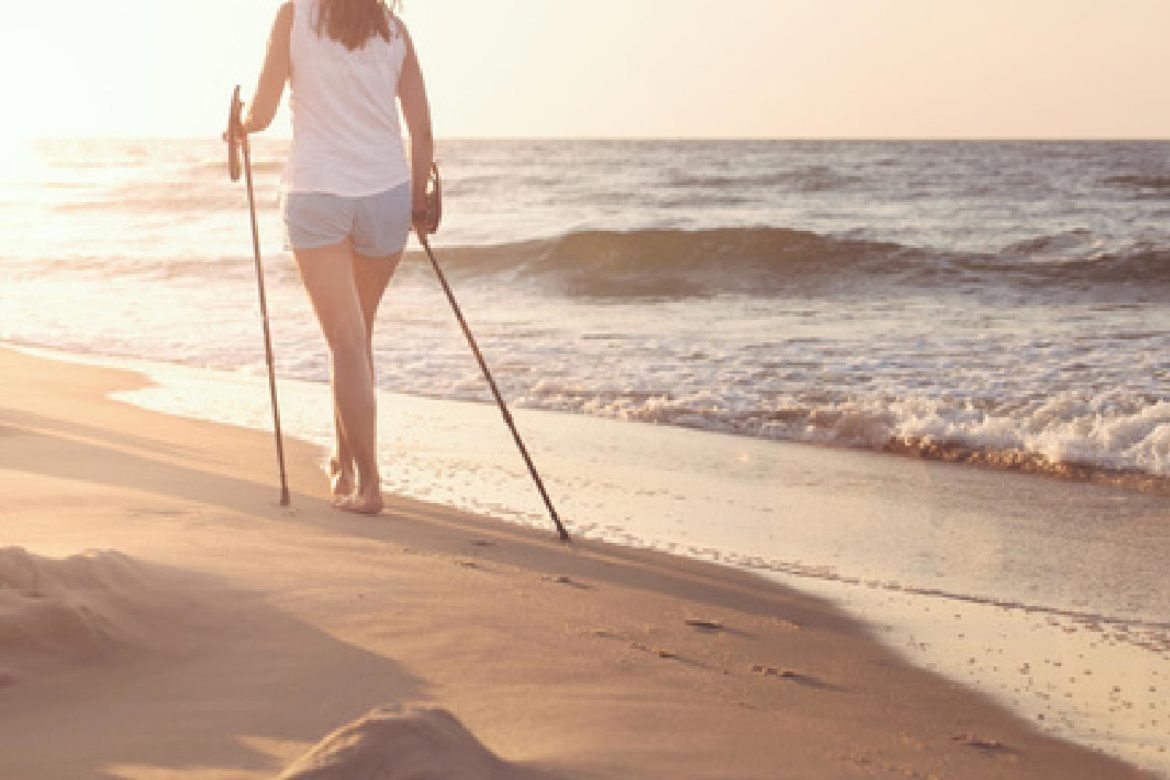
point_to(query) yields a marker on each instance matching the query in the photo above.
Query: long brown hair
(353, 22)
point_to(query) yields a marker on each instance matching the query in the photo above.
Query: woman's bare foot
(340, 479)
(360, 504)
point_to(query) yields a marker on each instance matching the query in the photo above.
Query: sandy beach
(162, 617)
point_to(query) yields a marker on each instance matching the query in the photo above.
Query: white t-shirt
(347, 139)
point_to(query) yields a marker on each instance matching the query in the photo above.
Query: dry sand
(161, 617)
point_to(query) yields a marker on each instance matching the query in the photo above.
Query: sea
(916, 377)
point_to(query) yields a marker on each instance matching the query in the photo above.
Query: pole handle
(234, 134)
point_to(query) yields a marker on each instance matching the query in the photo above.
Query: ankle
(369, 485)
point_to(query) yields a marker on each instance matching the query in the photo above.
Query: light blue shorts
(377, 225)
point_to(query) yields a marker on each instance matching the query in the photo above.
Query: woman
(348, 198)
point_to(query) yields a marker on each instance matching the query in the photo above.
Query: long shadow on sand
(251, 680)
(37, 451)
(424, 526)
(411, 523)
(233, 673)
(232, 684)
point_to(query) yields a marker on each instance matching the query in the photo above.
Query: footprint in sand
(561, 579)
(706, 625)
(659, 652)
(772, 671)
(984, 745)
(800, 678)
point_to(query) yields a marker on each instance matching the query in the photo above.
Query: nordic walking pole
(426, 245)
(238, 139)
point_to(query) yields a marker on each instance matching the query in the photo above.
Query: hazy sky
(773, 68)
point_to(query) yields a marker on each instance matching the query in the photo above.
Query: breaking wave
(771, 261)
(1109, 439)
(674, 264)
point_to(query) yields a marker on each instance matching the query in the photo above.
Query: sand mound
(400, 743)
(78, 609)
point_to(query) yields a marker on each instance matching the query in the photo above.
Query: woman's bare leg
(341, 463)
(328, 276)
(371, 275)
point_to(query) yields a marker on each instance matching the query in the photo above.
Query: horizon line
(658, 138)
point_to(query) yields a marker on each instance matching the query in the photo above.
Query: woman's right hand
(427, 205)
(420, 216)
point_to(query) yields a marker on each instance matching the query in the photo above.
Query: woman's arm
(277, 67)
(412, 93)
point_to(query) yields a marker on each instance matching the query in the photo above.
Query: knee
(347, 338)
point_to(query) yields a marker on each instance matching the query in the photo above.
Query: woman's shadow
(184, 674)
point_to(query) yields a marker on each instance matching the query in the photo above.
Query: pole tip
(285, 500)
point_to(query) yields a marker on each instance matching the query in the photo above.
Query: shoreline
(996, 460)
(785, 681)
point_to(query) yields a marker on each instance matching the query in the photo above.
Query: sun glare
(18, 158)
